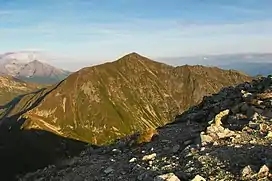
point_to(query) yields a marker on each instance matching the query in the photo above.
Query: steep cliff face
(101, 103)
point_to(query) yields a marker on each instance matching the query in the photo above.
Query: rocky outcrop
(225, 137)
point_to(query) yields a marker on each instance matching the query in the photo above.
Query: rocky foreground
(228, 136)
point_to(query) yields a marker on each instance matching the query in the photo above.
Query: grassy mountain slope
(101, 103)
(11, 87)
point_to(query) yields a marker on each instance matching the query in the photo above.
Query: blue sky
(82, 32)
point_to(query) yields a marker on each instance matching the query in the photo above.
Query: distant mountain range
(251, 63)
(29, 66)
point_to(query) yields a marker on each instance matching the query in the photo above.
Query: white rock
(206, 138)
(149, 157)
(198, 178)
(219, 116)
(247, 171)
(132, 160)
(167, 177)
(269, 135)
(264, 171)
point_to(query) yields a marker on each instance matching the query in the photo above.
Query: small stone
(218, 117)
(252, 141)
(175, 148)
(235, 109)
(206, 138)
(116, 150)
(247, 171)
(215, 143)
(244, 107)
(165, 141)
(187, 142)
(264, 128)
(132, 160)
(166, 148)
(263, 172)
(144, 176)
(250, 112)
(108, 170)
(198, 178)
(253, 125)
(123, 172)
(255, 116)
(149, 157)
(167, 177)
(269, 134)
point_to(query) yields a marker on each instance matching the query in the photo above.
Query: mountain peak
(30, 64)
(132, 55)
(135, 58)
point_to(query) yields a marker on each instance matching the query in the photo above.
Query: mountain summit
(27, 66)
(101, 103)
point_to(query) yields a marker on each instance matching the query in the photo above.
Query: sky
(83, 32)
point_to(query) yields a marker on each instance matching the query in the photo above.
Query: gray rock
(250, 111)
(108, 170)
(175, 148)
(254, 125)
(146, 176)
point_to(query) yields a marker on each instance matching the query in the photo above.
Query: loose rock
(167, 177)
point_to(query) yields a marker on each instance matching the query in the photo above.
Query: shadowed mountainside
(22, 151)
(101, 103)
